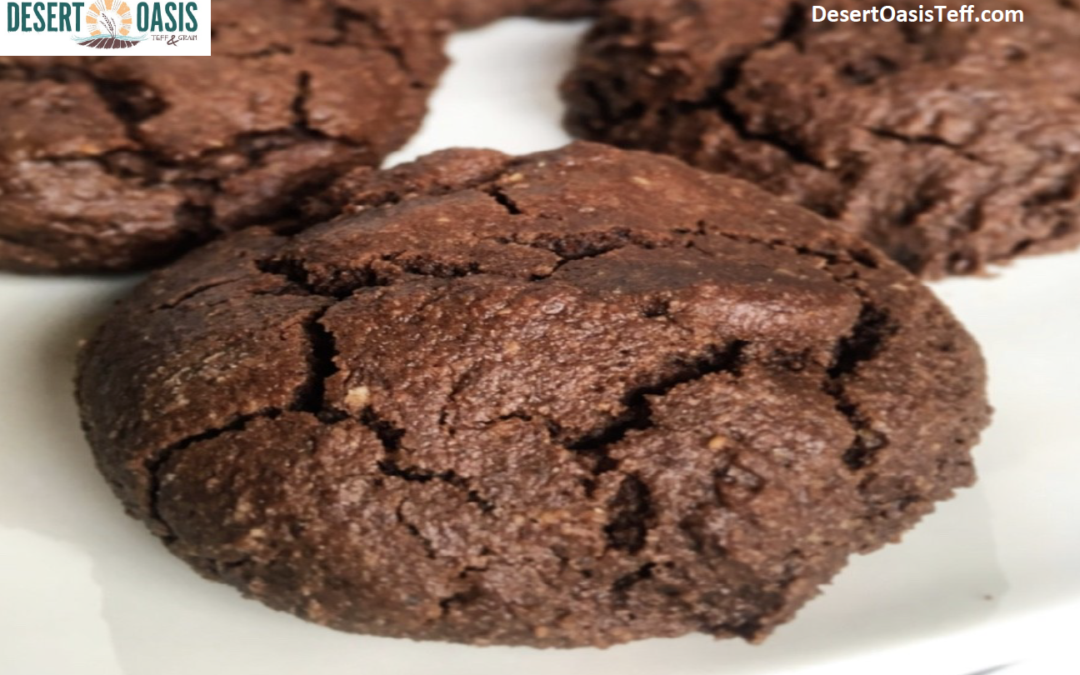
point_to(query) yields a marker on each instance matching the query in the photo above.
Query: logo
(110, 24)
(107, 27)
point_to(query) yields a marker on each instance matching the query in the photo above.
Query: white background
(992, 578)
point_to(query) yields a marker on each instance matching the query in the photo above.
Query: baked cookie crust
(118, 164)
(949, 146)
(568, 399)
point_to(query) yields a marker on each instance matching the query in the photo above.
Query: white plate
(993, 576)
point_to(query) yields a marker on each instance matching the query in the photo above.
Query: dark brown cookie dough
(950, 146)
(121, 163)
(574, 398)
(473, 13)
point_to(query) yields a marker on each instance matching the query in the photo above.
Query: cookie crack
(322, 365)
(719, 97)
(345, 16)
(191, 294)
(391, 469)
(503, 199)
(300, 101)
(1065, 191)
(863, 343)
(155, 463)
(867, 337)
(390, 436)
(391, 268)
(620, 589)
(924, 139)
(866, 340)
(130, 102)
(465, 597)
(869, 333)
(638, 408)
(269, 51)
(429, 547)
(309, 398)
(591, 244)
(633, 514)
(382, 271)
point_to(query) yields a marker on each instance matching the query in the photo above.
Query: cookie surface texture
(951, 146)
(110, 164)
(474, 13)
(575, 398)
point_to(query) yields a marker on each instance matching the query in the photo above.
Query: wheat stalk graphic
(109, 24)
(108, 32)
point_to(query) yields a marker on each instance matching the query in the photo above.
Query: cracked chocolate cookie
(121, 163)
(575, 398)
(950, 146)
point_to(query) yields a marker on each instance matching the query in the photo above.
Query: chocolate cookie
(121, 163)
(575, 398)
(473, 13)
(950, 146)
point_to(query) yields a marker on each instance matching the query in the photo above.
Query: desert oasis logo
(107, 24)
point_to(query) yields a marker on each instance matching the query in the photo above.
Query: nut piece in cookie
(575, 398)
(950, 146)
(113, 164)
